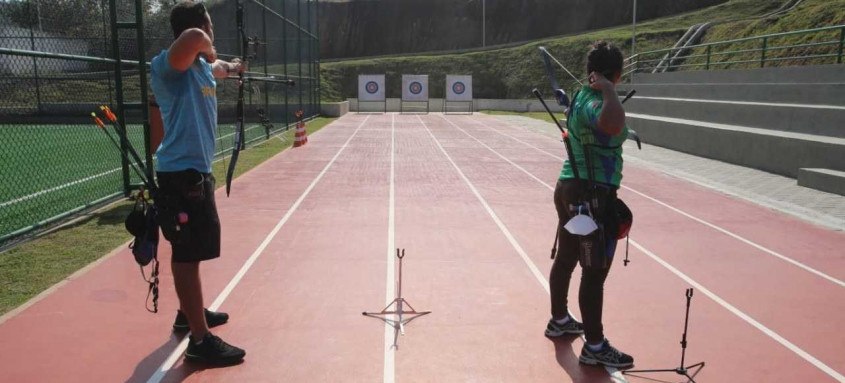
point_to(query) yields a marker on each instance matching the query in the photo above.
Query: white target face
(414, 87)
(458, 88)
(371, 87)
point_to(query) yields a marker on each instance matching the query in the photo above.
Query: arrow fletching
(98, 121)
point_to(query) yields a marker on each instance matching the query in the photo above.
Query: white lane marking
(778, 104)
(614, 373)
(499, 223)
(180, 349)
(748, 319)
(729, 233)
(389, 351)
(57, 188)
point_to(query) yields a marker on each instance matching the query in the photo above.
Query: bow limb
(239, 123)
(560, 94)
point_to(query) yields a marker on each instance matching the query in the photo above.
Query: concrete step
(808, 93)
(834, 73)
(776, 152)
(808, 119)
(831, 181)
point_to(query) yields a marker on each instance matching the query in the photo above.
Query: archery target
(414, 87)
(458, 88)
(371, 87)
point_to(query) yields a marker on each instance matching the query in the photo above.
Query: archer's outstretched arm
(222, 69)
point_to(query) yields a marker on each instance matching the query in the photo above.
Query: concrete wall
(334, 109)
(780, 120)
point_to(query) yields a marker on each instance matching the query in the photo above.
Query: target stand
(396, 317)
(413, 107)
(371, 91)
(458, 95)
(414, 94)
(458, 107)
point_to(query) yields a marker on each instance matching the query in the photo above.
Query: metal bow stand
(680, 370)
(400, 320)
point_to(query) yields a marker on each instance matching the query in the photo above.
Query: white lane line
(499, 223)
(57, 188)
(747, 318)
(389, 351)
(180, 349)
(729, 233)
(614, 373)
(777, 104)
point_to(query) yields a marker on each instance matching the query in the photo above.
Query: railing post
(841, 42)
(707, 64)
(763, 52)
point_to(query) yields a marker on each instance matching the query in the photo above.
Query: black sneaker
(607, 356)
(213, 350)
(572, 326)
(212, 318)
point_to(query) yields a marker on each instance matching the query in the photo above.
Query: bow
(560, 94)
(239, 123)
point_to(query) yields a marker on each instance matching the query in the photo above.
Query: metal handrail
(805, 31)
(638, 60)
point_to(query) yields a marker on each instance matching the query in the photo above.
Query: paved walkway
(770, 190)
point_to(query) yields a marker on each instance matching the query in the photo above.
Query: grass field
(76, 164)
(31, 267)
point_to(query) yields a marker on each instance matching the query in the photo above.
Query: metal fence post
(707, 64)
(35, 65)
(763, 52)
(266, 59)
(299, 50)
(841, 42)
(317, 58)
(142, 78)
(285, 62)
(118, 85)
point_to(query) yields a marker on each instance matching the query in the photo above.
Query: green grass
(809, 14)
(52, 169)
(34, 266)
(542, 116)
(512, 72)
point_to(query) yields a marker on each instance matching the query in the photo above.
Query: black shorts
(189, 194)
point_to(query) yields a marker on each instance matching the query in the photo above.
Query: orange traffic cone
(301, 136)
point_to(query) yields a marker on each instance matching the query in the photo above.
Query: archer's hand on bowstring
(599, 82)
(611, 121)
(224, 69)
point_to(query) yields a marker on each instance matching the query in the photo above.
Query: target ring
(459, 87)
(371, 87)
(415, 87)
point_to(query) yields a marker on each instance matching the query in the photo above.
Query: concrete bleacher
(789, 121)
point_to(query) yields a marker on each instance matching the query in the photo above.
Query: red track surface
(296, 307)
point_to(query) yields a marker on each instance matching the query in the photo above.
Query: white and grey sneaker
(607, 355)
(572, 326)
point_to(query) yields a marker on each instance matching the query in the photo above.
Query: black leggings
(591, 291)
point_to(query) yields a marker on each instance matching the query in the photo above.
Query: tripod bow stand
(399, 323)
(682, 370)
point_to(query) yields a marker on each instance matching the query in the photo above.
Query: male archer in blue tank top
(183, 81)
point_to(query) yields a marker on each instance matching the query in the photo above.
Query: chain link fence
(57, 65)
